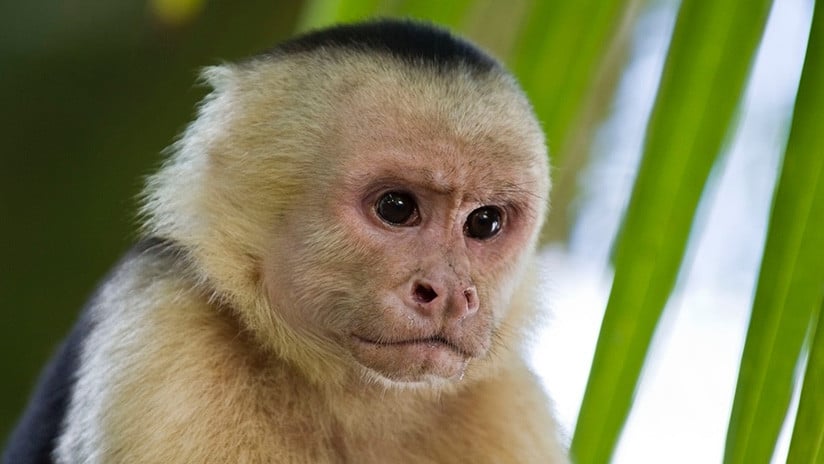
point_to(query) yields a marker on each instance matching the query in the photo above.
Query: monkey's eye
(483, 223)
(397, 208)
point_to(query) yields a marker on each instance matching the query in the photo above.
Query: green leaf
(808, 434)
(559, 55)
(447, 13)
(709, 59)
(789, 291)
(320, 13)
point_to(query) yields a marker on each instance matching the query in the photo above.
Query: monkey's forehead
(321, 71)
(317, 90)
(328, 97)
(415, 42)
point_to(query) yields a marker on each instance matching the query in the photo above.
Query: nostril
(471, 296)
(424, 293)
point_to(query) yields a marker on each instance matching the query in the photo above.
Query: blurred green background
(92, 92)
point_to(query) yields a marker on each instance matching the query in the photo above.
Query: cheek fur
(334, 278)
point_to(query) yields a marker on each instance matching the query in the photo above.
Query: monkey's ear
(216, 77)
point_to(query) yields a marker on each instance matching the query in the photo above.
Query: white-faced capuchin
(335, 268)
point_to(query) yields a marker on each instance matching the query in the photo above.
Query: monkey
(335, 266)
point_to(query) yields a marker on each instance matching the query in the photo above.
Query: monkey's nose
(433, 300)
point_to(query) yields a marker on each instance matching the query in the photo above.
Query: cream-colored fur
(204, 354)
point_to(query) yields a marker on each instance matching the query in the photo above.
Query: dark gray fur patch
(415, 42)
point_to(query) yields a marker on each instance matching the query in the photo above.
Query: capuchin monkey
(334, 269)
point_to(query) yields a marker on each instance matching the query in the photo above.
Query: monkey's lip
(412, 359)
(433, 341)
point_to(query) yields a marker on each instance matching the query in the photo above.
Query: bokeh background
(670, 124)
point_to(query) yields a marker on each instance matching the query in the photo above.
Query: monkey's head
(365, 198)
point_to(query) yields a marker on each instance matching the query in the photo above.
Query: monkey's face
(407, 254)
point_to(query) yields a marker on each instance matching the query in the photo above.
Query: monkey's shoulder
(169, 375)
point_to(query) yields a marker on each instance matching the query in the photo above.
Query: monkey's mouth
(434, 341)
(412, 359)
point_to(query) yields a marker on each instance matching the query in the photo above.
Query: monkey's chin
(412, 362)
